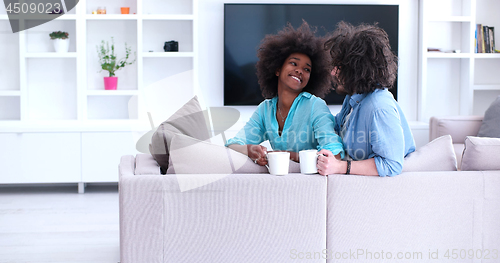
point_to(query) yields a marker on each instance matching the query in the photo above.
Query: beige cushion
(191, 156)
(189, 120)
(437, 155)
(481, 154)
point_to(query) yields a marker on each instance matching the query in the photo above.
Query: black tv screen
(245, 25)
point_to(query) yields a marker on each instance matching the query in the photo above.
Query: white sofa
(414, 216)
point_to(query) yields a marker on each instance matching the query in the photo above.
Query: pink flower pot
(110, 83)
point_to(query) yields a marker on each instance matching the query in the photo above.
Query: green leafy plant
(107, 57)
(58, 35)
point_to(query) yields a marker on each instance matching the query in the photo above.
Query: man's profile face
(338, 87)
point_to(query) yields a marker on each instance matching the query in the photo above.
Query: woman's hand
(257, 153)
(330, 164)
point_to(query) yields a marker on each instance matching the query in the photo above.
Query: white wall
(211, 37)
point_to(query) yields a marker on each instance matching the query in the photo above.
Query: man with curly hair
(293, 73)
(373, 128)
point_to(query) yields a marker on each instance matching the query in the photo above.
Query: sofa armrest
(127, 165)
(458, 127)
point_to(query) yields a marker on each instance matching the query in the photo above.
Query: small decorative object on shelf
(57, 11)
(485, 39)
(101, 10)
(125, 10)
(61, 41)
(171, 46)
(430, 49)
(108, 61)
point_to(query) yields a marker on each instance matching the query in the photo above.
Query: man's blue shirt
(376, 128)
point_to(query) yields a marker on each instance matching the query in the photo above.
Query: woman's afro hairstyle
(363, 58)
(274, 49)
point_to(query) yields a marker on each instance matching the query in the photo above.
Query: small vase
(110, 83)
(125, 10)
(61, 45)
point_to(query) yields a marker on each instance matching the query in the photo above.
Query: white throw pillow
(437, 155)
(192, 156)
(481, 154)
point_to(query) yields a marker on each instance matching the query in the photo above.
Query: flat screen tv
(245, 25)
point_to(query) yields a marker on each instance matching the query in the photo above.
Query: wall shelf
(112, 92)
(111, 17)
(167, 17)
(51, 55)
(450, 19)
(486, 87)
(42, 17)
(168, 54)
(10, 93)
(487, 55)
(447, 55)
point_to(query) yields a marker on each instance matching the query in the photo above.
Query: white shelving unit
(466, 77)
(46, 93)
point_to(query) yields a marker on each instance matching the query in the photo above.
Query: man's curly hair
(363, 58)
(274, 49)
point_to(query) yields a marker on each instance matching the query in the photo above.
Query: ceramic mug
(308, 161)
(278, 162)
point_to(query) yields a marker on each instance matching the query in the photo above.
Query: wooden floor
(56, 224)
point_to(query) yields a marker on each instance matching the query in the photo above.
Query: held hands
(329, 163)
(257, 153)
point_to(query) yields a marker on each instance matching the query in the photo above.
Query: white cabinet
(462, 83)
(101, 153)
(40, 158)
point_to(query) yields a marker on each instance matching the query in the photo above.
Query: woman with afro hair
(293, 72)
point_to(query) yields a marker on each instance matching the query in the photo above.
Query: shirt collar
(356, 99)
(302, 94)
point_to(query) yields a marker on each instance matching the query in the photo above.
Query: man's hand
(330, 164)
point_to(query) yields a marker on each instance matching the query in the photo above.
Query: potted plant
(61, 41)
(108, 61)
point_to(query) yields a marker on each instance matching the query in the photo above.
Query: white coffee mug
(308, 161)
(278, 162)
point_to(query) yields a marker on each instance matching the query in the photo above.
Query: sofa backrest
(458, 127)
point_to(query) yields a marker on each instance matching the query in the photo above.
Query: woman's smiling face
(295, 72)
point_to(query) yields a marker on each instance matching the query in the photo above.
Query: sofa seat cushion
(437, 155)
(481, 154)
